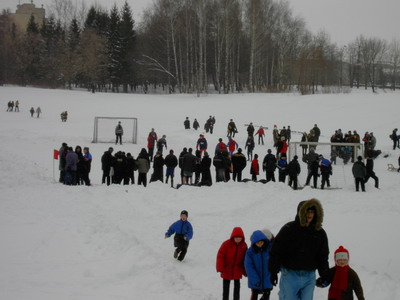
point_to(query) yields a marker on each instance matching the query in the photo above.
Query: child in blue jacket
(183, 234)
(256, 265)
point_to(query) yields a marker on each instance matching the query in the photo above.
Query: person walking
(38, 111)
(256, 264)
(183, 231)
(299, 249)
(230, 262)
(293, 170)
(261, 134)
(342, 278)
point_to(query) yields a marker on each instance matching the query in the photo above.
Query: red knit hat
(341, 253)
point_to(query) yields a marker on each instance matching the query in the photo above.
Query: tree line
(189, 46)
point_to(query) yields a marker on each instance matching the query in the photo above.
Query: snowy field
(107, 242)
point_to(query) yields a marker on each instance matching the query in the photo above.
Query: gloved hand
(274, 278)
(321, 282)
(166, 236)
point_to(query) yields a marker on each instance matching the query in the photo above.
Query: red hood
(237, 232)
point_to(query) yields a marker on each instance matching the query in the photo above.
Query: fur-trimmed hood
(302, 212)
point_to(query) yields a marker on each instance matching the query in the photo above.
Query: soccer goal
(104, 129)
(341, 156)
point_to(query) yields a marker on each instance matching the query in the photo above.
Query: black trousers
(142, 178)
(270, 176)
(237, 174)
(358, 182)
(265, 294)
(118, 137)
(151, 153)
(260, 138)
(325, 179)
(373, 176)
(282, 177)
(106, 177)
(315, 178)
(236, 289)
(181, 246)
(293, 180)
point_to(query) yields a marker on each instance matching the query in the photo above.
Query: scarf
(339, 282)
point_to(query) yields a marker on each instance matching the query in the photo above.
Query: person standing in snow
(170, 162)
(359, 172)
(183, 231)
(255, 168)
(196, 124)
(300, 248)
(119, 131)
(143, 164)
(186, 123)
(38, 111)
(269, 165)
(261, 134)
(32, 111)
(293, 170)
(230, 262)
(256, 265)
(342, 278)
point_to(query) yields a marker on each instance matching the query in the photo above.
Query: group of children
(235, 259)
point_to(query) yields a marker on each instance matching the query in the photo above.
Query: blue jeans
(296, 285)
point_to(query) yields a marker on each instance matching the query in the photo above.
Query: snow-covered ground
(107, 242)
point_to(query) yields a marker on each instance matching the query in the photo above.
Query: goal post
(340, 154)
(104, 129)
(297, 148)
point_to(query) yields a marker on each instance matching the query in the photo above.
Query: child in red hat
(343, 279)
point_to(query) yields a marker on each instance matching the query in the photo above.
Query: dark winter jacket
(301, 247)
(205, 165)
(238, 162)
(186, 123)
(71, 161)
(249, 144)
(171, 161)
(181, 227)
(293, 168)
(201, 144)
(256, 262)
(189, 162)
(230, 257)
(269, 163)
(180, 162)
(310, 158)
(106, 161)
(359, 170)
(250, 130)
(353, 284)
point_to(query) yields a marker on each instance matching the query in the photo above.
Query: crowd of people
(229, 161)
(291, 258)
(74, 165)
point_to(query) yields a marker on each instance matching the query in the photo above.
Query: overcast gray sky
(344, 20)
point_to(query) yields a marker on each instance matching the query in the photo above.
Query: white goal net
(341, 156)
(104, 129)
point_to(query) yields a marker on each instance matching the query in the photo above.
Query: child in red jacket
(255, 169)
(230, 262)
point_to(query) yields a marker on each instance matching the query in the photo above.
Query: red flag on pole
(55, 154)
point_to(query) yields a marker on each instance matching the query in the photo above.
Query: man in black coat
(188, 166)
(170, 162)
(269, 165)
(205, 165)
(238, 164)
(300, 248)
(293, 170)
(158, 168)
(359, 172)
(106, 163)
